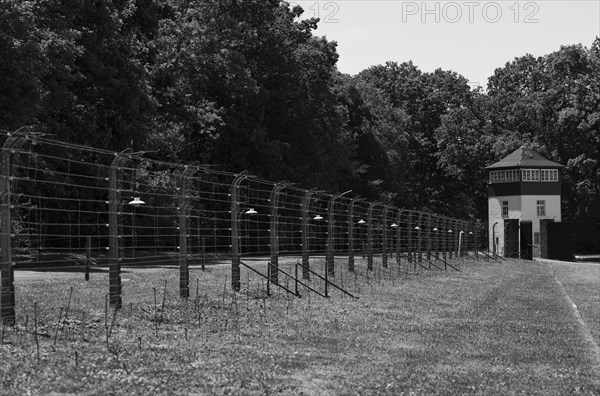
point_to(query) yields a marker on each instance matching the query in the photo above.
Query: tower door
(526, 245)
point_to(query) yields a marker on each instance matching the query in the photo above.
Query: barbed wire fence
(71, 207)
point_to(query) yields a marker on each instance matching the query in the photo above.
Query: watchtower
(523, 193)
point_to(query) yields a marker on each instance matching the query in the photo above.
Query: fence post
(7, 270)
(274, 232)
(330, 260)
(203, 253)
(235, 243)
(305, 233)
(370, 236)
(449, 237)
(384, 261)
(409, 236)
(420, 237)
(184, 273)
(428, 237)
(476, 241)
(457, 238)
(114, 261)
(399, 238)
(88, 256)
(444, 233)
(351, 234)
(436, 238)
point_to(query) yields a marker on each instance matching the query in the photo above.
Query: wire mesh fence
(77, 208)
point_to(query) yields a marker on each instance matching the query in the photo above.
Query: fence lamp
(136, 201)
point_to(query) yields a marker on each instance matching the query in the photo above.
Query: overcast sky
(472, 38)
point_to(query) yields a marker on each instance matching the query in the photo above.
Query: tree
(21, 64)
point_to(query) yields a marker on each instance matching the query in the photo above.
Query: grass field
(582, 282)
(493, 328)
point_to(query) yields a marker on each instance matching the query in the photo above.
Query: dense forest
(248, 85)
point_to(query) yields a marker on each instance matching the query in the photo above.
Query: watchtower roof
(524, 157)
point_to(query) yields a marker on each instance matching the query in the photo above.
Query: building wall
(495, 216)
(529, 213)
(524, 208)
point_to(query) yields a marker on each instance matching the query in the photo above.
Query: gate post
(7, 269)
(235, 243)
(274, 232)
(184, 274)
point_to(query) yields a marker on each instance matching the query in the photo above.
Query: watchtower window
(511, 175)
(497, 177)
(530, 175)
(549, 175)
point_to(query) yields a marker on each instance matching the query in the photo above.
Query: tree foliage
(247, 85)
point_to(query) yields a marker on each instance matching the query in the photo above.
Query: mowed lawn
(582, 282)
(493, 328)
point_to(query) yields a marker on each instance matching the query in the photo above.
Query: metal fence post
(409, 236)
(399, 237)
(457, 238)
(88, 256)
(384, 261)
(235, 243)
(449, 237)
(419, 237)
(428, 237)
(305, 233)
(370, 236)
(444, 233)
(274, 232)
(476, 241)
(330, 260)
(351, 234)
